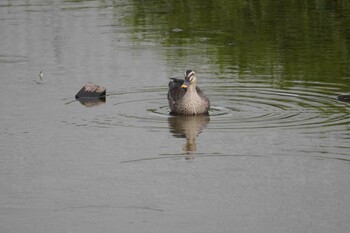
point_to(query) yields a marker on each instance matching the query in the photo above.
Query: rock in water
(91, 90)
(344, 98)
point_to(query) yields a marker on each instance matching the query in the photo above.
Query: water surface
(272, 156)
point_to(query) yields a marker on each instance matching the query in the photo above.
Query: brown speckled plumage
(185, 97)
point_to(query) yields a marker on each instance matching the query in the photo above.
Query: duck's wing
(176, 92)
(202, 95)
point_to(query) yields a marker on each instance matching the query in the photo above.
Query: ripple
(248, 106)
(144, 108)
(297, 107)
(6, 58)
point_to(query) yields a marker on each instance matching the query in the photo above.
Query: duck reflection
(188, 127)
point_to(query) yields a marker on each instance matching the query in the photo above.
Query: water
(272, 156)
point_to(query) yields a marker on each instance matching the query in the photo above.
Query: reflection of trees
(188, 127)
(305, 38)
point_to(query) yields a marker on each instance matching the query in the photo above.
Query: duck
(185, 97)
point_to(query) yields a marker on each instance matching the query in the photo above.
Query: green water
(304, 40)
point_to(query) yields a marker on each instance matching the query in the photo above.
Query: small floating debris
(40, 77)
(344, 98)
(91, 95)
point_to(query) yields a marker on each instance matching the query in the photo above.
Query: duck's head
(190, 78)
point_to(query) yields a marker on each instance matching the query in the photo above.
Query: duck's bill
(185, 84)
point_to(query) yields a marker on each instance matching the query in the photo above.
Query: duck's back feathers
(177, 81)
(202, 95)
(176, 92)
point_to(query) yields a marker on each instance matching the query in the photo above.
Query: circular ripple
(246, 106)
(298, 107)
(145, 108)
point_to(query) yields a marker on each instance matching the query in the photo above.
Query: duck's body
(185, 97)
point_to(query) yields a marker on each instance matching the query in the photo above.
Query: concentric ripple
(301, 106)
(247, 105)
(144, 108)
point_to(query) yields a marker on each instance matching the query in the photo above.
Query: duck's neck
(191, 93)
(191, 88)
(192, 102)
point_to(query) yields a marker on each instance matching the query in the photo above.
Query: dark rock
(91, 90)
(344, 98)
